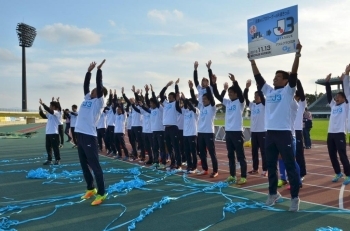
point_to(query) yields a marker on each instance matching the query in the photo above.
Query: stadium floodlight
(26, 35)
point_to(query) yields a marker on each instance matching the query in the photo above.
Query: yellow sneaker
(242, 181)
(231, 179)
(98, 200)
(89, 193)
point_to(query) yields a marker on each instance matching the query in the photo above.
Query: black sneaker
(149, 162)
(57, 162)
(48, 162)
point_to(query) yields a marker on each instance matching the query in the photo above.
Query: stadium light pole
(26, 35)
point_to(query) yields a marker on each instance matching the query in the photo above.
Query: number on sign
(283, 28)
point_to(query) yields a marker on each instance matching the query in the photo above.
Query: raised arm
(161, 94)
(262, 97)
(195, 74)
(88, 78)
(155, 97)
(210, 72)
(258, 78)
(99, 84)
(193, 96)
(115, 102)
(346, 88)
(58, 104)
(328, 89)
(215, 89)
(46, 107)
(246, 90)
(41, 113)
(210, 96)
(292, 80)
(238, 90)
(301, 90)
(125, 98)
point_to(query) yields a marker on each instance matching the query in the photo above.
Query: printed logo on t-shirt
(188, 116)
(231, 108)
(337, 110)
(256, 111)
(87, 104)
(154, 113)
(276, 98)
(168, 106)
(204, 113)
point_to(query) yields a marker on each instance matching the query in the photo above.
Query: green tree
(310, 98)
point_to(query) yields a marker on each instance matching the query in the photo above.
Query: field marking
(244, 189)
(341, 197)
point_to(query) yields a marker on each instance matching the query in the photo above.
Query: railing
(16, 110)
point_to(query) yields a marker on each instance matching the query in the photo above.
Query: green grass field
(318, 131)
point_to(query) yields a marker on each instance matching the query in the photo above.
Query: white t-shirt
(190, 122)
(61, 118)
(169, 113)
(298, 123)
(294, 111)
(73, 119)
(129, 121)
(146, 121)
(339, 115)
(136, 119)
(278, 107)
(89, 114)
(257, 117)
(53, 120)
(233, 115)
(102, 122)
(206, 118)
(157, 119)
(110, 117)
(180, 120)
(120, 120)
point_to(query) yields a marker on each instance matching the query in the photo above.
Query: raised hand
(41, 102)
(91, 67)
(177, 81)
(195, 65)
(208, 64)
(225, 86)
(249, 83)
(232, 77)
(99, 66)
(341, 77)
(58, 99)
(298, 47)
(123, 90)
(169, 84)
(146, 88)
(347, 69)
(133, 88)
(328, 77)
(190, 84)
(151, 87)
(115, 91)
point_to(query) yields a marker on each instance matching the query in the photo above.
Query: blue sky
(155, 42)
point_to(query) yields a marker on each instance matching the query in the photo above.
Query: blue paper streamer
(328, 229)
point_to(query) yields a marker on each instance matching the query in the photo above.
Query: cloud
(69, 34)
(84, 52)
(7, 56)
(165, 15)
(111, 22)
(239, 53)
(186, 47)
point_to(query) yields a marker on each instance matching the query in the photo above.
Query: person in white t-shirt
(279, 138)
(298, 126)
(52, 139)
(170, 111)
(191, 115)
(257, 128)
(234, 129)
(202, 88)
(89, 114)
(206, 138)
(109, 137)
(336, 139)
(101, 129)
(73, 120)
(119, 128)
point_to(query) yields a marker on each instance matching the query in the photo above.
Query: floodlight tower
(26, 35)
